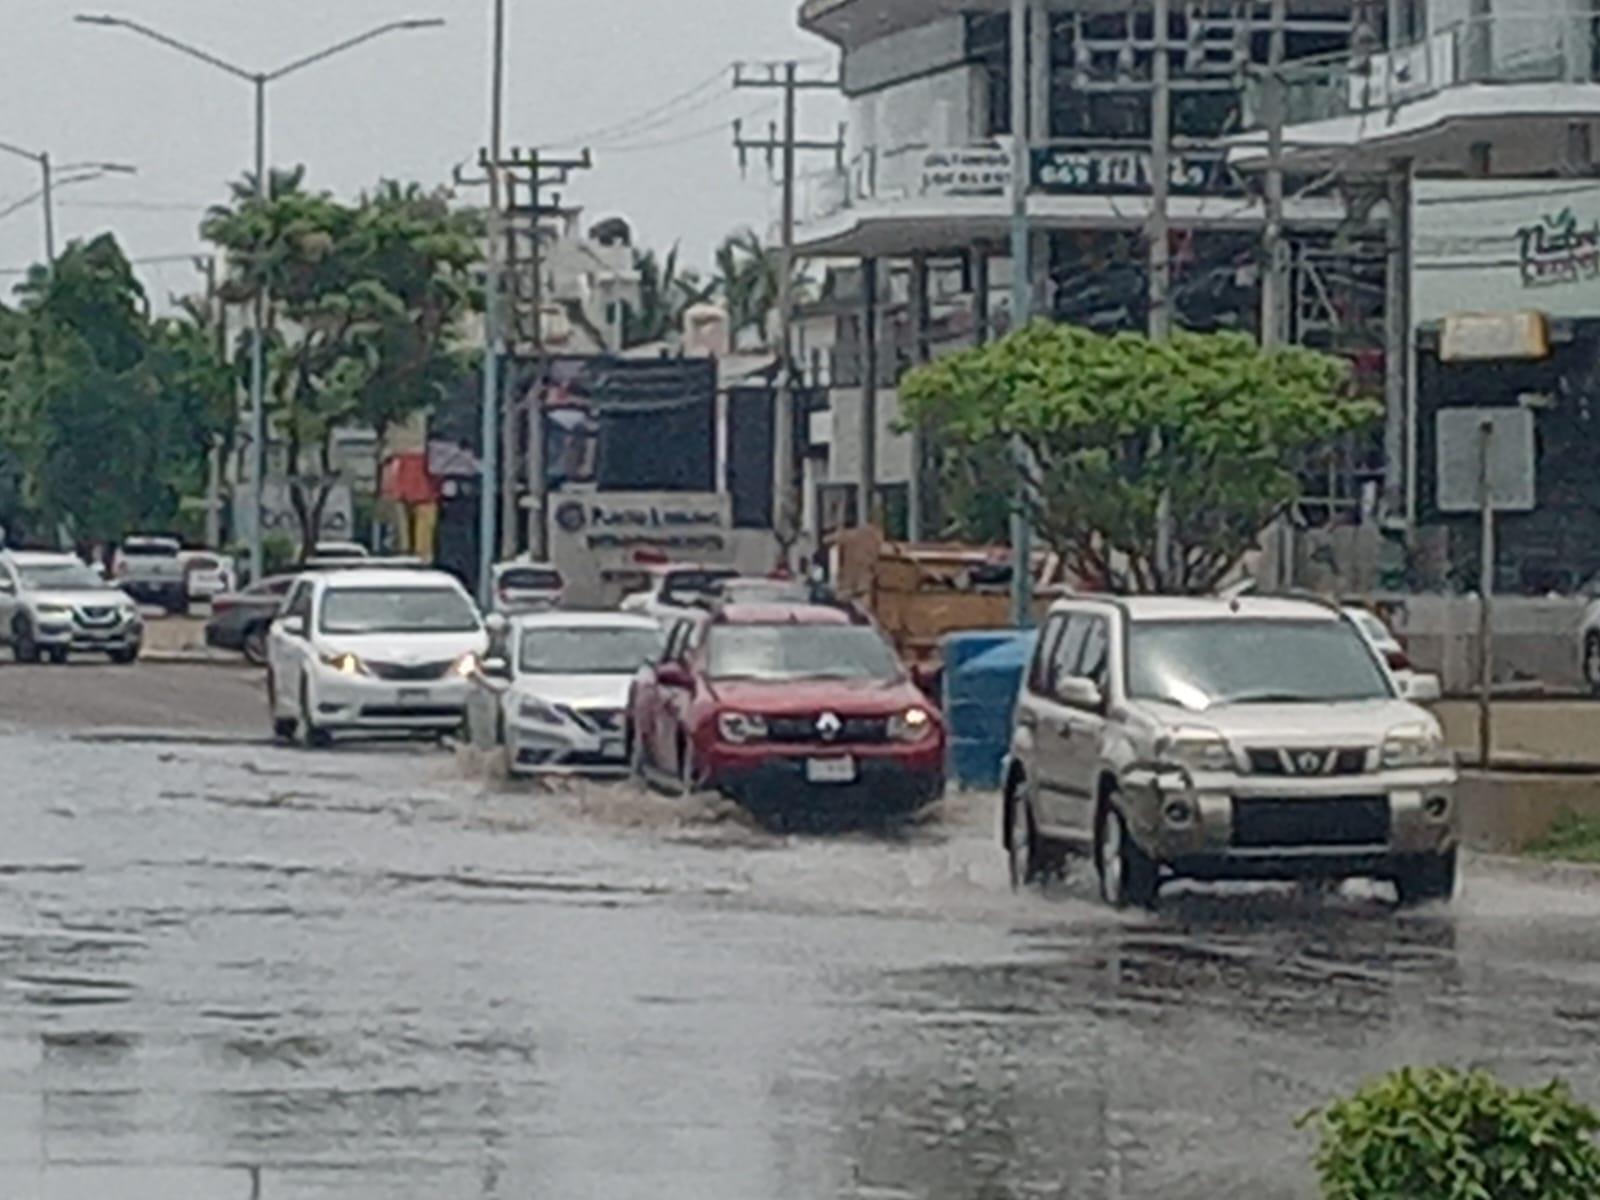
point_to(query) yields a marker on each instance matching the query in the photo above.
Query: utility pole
(781, 152)
(1160, 237)
(1021, 311)
(218, 312)
(1275, 283)
(536, 171)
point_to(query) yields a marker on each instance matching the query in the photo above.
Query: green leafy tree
(1112, 424)
(106, 416)
(365, 310)
(1442, 1134)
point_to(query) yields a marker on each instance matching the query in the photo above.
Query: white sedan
(557, 693)
(372, 651)
(1416, 685)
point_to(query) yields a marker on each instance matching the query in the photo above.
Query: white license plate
(415, 695)
(830, 770)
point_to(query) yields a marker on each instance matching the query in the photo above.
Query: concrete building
(922, 207)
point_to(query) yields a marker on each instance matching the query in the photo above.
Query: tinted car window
(799, 652)
(531, 579)
(1198, 664)
(397, 610)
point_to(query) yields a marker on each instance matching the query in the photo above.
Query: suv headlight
(345, 664)
(466, 666)
(911, 726)
(1416, 746)
(741, 727)
(52, 610)
(1195, 750)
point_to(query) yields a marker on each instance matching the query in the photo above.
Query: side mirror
(674, 675)
(1081, 693)
(293, 626)
(495, 668)
(1421, 689)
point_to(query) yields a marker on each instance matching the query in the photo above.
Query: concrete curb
(1545, 870)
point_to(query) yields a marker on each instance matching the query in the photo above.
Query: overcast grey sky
(410, 105)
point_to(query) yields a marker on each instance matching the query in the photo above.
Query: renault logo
(829, 726)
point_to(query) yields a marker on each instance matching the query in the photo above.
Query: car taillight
(1397, 660)
(220, 605)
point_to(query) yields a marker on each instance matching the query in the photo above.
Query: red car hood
(864, 698)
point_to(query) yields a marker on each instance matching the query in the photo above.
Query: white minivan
(372, 651)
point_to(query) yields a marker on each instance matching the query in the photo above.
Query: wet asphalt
(229, 969)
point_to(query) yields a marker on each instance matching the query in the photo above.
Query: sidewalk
(183, 640)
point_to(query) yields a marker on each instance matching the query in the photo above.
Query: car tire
(254, 645)
(126, 657)
(283, 728)
(23, 646)
(1591, 661)
(1128, 876)
(58, 657)
(1031, 857)
(1426, 879)
(312, 736)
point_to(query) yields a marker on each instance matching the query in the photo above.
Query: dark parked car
(239, 620)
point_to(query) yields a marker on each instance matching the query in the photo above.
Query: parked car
(206, 574)
(521, 587)
(672, 590)
(52, 606)
(790, 705)
(151, 570)
(241, 620)
(558, 698)
(374, 651)
(1221, 738)
(1420, 686)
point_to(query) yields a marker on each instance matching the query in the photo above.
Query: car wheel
(125, 657)
(1127, 876)
(312, 736)
(59, 657)
(1425, 879)
(23, 647)
(283, 728)
(255, 645)
(1022, 849)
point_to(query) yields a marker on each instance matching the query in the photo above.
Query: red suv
(770, 703)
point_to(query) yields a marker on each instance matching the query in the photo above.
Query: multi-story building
(1437, 155)
(925, 199)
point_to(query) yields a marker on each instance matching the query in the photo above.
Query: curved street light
(259, 81)
(47, 170)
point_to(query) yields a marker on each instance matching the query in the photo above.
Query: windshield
(575, 650)
(60, 576)
(397, 610)
(800, 652)
(765, 591)
(1201, 664)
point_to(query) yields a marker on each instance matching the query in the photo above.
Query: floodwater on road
(227, 967)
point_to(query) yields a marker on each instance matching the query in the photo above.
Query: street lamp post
(259, 81)
(47, 172)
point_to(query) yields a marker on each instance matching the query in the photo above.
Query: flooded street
(229, 969)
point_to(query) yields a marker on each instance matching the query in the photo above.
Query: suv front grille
(1308, 761)
(1331, 821)
(803, 730)
(410, 671)
(96, 616)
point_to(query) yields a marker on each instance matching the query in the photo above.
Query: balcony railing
(1498, 48)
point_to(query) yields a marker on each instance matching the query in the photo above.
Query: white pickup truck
(152, 571)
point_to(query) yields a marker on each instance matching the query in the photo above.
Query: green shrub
(1441, 1134)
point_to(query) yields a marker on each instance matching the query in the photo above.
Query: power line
(656, 111)
(719, 129)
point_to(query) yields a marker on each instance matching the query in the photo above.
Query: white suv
(372, 651)
(1205, 738)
